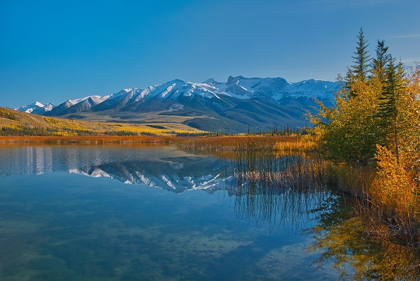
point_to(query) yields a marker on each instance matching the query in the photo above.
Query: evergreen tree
(359, 71)
(361, 58)
(388, 107)
(379, 64)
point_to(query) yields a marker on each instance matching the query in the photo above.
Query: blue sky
(51, 51)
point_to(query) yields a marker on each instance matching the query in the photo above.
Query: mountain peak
(238, 79)
(176, 81)
(230, 80)
(30, 107)
(211, 82)
(37, 103)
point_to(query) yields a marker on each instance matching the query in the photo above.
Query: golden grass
(294, 146)
(85, 140)
(18, 123)
(234, 143)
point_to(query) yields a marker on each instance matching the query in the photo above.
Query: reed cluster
(233, 143)
(275, 189)
(300, 145)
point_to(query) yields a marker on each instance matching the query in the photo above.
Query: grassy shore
(92, 140)
(235, 143)
(224, 143)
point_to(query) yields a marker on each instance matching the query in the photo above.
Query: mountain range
(232, 106)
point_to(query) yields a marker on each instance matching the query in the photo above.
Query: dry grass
(234, 143)
(85, 140)
(299, 145)
(18, 123)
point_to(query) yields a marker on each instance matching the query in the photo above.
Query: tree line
(377, 107)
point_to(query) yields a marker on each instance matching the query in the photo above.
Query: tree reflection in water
(276, 191)
(343, 238)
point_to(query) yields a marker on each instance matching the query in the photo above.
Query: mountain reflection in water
(277, 194)
(265, 189)
(160, 167)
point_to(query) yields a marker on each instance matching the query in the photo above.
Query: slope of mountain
(229, 106)
(15, 123)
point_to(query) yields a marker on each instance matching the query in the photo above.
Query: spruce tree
(359, 71)
(388, 107)
(361, 58)
(379, 64)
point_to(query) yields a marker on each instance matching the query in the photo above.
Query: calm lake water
(149, 213)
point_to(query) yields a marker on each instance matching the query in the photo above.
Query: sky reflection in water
(136, 213)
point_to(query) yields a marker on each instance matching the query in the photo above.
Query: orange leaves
(394, 187)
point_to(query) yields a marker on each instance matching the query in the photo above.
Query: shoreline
(91, 140)
(101, 140)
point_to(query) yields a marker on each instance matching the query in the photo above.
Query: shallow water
(148, 213)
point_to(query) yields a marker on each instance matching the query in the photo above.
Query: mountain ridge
(230, 106)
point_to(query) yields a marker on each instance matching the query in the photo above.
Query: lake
(152, 213)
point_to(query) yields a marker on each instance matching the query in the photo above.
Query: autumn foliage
(375, 123)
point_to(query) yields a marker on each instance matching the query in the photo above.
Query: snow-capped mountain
(229, 106)
(77, 105)
(36, 108)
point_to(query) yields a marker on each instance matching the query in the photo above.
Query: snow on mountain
(30, 107)
(230, 106)
(275, 88)
(49, 107)
(179, 88)
(237, 87)
(311, 88)
(254, 87)
(119, 95)
(77, 105)
(93, 99)
(36, 108)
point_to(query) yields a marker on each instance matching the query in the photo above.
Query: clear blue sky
(54, 50)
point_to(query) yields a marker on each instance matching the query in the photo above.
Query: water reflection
(343, 238)
(62, 225)
(293, 188)
(265, 189)
(71, 227)
(160, 167)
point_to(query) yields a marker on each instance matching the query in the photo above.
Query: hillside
(15, 123)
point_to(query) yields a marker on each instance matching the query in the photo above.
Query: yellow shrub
(394, 187)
